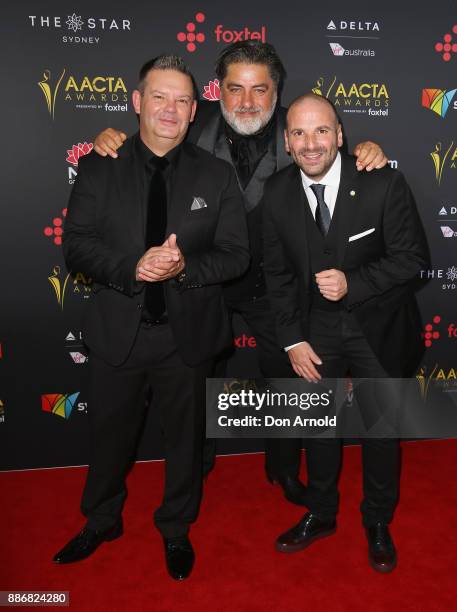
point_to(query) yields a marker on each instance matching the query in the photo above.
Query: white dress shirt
(332, 182)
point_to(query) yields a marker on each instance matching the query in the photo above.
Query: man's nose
(170, 105)
(247, 100)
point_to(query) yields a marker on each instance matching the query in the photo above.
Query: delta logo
(73, 155)
(438, 100)
(443, 157)
(362, 98)
(357, 27)
(449, 210)
(105, 93)
(61, 405)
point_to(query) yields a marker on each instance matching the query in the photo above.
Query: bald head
(313, 134)
(306, 100)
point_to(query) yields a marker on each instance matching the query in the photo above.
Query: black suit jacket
(205, 133)
(381, 266)
(104, 237)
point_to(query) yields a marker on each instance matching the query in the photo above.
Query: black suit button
(139, 306)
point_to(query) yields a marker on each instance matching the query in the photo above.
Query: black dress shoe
(180, 557)
(86, 542)
(307, 531)
(381, 549)
(293, 488)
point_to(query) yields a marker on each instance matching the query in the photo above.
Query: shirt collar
(331, 179)
(146, 155)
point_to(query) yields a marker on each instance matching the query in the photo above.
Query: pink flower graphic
(212, 91)
(78, 151)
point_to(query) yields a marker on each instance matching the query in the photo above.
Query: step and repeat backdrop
(69, 71)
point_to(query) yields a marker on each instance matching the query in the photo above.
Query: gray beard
(248, 127)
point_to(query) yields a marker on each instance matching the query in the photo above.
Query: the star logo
(74, 22)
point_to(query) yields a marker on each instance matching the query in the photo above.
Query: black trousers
(281, 456)
(117, 400)
(338, 340)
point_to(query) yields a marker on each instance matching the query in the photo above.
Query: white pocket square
(198, 203)
(361, 235)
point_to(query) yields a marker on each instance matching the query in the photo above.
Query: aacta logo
(430, 334)
(447, 47)
(73, 155)
(446, 377)
(56, 231)
(212, 91)
(443, 158)
(438, 100)
(82, 285)
(355, 97)
(191, 37)
(97, 92)
(59, 404)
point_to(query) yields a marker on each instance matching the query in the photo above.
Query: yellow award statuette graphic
(439, 160)
(59, 287)
(49, 93)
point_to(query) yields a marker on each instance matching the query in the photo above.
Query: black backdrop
(69, 70)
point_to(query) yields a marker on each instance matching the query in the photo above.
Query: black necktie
(155, 231)
(323, 218)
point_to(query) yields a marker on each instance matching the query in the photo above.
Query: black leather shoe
(180, 557)
(86, 542)
(381, 549)
(293, 488)
(307, 531)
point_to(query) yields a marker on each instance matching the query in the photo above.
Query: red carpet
(237, 567)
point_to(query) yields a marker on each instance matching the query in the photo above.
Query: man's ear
(340, 135)
(192, 113)
(286, 141)
(136, 100)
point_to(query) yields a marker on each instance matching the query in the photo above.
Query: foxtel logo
(245, 341)
(232, 36)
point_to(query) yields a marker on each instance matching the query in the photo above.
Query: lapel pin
(352, 193)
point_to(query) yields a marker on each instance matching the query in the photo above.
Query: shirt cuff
(287, 348)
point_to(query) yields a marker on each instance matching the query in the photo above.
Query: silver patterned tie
(323, 218)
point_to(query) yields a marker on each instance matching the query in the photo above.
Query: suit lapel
(294, 203)
(346, 205)
(130, 192)
(184, 176)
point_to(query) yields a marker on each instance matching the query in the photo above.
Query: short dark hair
(251, 52)
(166, 62)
